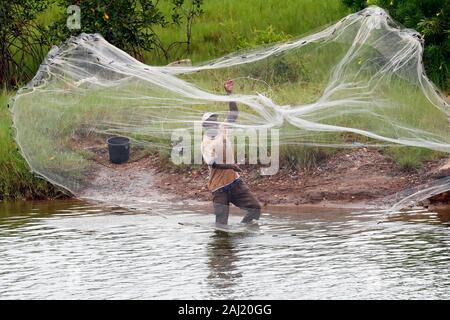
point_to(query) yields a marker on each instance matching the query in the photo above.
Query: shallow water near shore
(75, 249)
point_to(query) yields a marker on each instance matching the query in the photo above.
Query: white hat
(208, 115)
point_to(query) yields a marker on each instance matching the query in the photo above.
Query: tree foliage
(21, 40)
(127, 24)
(429, 17)
(130, 24)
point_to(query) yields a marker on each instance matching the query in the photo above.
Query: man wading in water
(224, 181)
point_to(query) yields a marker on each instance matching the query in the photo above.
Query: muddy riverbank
(362, 177)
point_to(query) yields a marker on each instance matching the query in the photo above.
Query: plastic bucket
(119, 149)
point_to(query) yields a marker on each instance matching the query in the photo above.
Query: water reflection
(222, 261)
(74, 249)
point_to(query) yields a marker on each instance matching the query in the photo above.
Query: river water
(75, 249)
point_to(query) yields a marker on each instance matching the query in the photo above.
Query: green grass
(16, 180)
(227, 26)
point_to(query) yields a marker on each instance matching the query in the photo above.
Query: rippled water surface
(73, 249)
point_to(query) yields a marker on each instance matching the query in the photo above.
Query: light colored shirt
(219, 150)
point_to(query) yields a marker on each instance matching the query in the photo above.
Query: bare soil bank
(352, 178)
(355, 178)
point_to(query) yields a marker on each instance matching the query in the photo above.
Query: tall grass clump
(412, 159)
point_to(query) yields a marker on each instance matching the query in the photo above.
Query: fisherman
(224, 181)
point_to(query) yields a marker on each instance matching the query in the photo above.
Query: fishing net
(359, 82)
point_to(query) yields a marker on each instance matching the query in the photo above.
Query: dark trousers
(239, 195)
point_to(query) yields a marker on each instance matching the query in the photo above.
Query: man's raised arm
(234, 112)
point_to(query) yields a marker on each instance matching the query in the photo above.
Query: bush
(129, 24)
(21, 41)
(429, 17)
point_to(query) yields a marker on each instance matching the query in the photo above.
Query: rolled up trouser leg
(242, 197)
(221, 207)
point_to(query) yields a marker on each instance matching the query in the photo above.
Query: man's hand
(228, 85)
(236, 168)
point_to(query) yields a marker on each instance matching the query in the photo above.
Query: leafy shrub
(21, 40)
(432, 19)
(127, 24)
(130, 24)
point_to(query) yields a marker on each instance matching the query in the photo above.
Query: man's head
(210, 124)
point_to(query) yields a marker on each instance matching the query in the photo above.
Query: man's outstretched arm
(234, 112)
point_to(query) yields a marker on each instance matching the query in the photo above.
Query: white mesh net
(358, 82)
